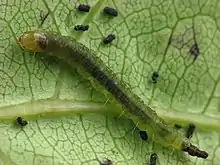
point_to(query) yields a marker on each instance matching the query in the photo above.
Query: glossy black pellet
(81, 27)
(84, 7)
(143, 135)
(110, 11)
(21, 122)
(24, 123)
(155, 77)
(109, 39)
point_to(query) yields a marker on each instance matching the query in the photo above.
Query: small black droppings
(84, 7)
(155, 77)
(106, 162)
(153, 159)
(24, 123)
(194, 51)
(109, 39)
(21, 122)
(143, 135)
(190, 130)
(81, 27)
(178, 126)
(110, 11)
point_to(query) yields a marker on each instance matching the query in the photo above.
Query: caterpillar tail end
(194, 151)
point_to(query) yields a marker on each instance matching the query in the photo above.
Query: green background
(151, 35)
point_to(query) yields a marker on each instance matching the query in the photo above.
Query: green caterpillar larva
(75, 53)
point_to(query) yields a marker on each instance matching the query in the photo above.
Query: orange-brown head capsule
(33, 41)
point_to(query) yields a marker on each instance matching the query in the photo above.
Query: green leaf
(150, 36)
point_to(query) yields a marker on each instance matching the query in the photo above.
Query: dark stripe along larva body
(93, 68)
